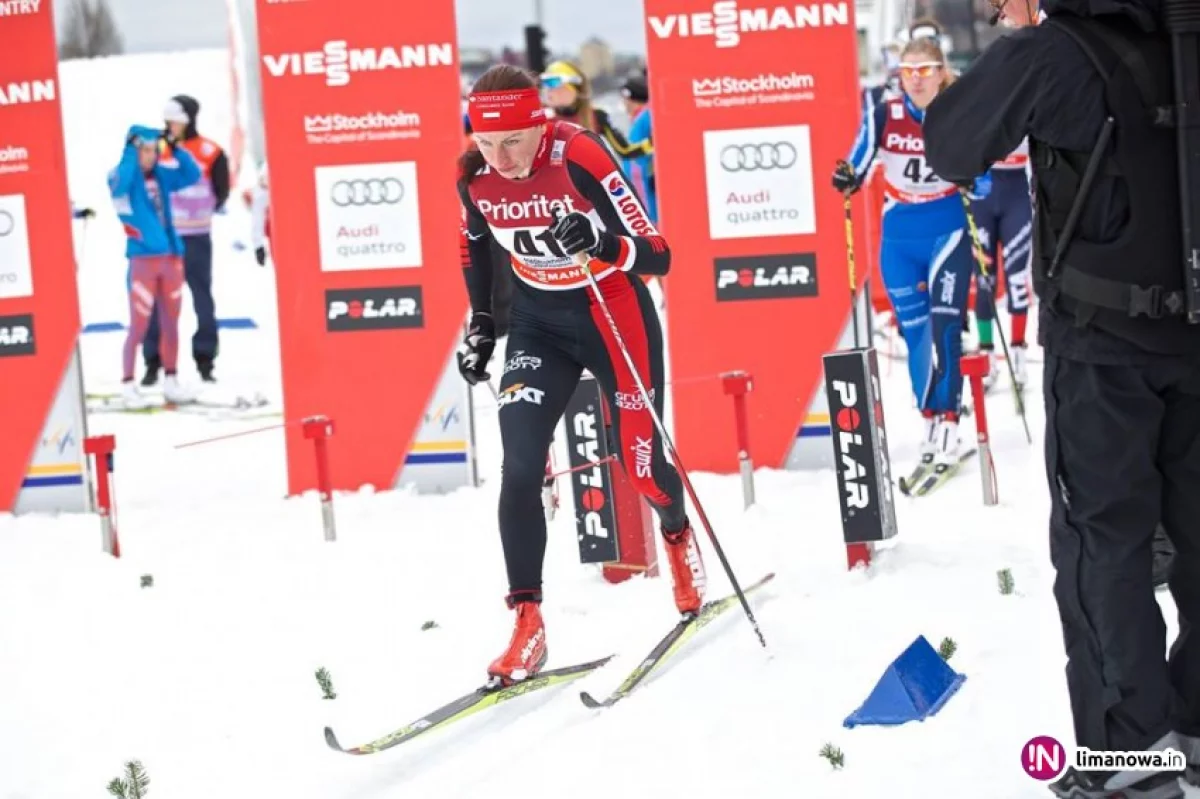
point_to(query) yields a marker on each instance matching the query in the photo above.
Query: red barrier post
(318, 429)
(975, 368)
(101, 449)
(738, 385)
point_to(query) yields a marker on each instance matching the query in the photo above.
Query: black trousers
(549, 346)
(1123, 457)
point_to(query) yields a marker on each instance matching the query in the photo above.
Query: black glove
(477, 348)
(577, 233)
(844, 179)
(260, 255)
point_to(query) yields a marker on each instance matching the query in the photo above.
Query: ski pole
(978, 252)
(850, 270)
(582, 260)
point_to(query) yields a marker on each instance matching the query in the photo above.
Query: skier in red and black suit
(547, 191)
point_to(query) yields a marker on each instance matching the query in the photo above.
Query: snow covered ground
(207, 677)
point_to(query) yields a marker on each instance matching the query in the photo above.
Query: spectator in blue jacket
(639, 163)
(152, 168)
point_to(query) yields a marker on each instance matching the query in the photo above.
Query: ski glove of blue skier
(979, 188)
(477, 348)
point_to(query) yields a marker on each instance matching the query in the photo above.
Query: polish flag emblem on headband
(512, 109)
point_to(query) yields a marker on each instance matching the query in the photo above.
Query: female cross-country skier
(546, 191)
(926, 254)
(1005, 220)
(152, 168)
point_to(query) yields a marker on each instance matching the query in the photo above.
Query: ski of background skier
(928, 477)
(115, 403)
(669, 645)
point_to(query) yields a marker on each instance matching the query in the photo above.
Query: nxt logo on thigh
(519, 392)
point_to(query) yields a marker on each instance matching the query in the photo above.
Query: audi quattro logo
(371, 191)
(758, 157)
(7, 224)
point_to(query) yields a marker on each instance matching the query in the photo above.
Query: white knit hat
(174, 112)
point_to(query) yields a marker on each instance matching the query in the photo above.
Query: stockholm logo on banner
(16, 335)
(16, 265)
(368, 217)
(765, 277)
(391, 308)
(759, 182)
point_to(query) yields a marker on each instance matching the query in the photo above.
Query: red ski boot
(526, 653)
(687, 569)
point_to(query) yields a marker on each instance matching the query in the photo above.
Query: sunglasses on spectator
(925, 70)
(554, 81)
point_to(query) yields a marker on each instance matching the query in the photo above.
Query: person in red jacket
(193, 210)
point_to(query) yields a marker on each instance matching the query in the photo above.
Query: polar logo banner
(393, 308)
(591, 482)
(859, 446)
(764, 277)
(16, 335)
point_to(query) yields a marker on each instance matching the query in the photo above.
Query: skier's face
(148, 155)
(921, 78)
(510, 152)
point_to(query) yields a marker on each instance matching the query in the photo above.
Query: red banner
(363, 127)
(753, 104)
(39, 303)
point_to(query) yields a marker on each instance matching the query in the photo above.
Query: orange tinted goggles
(926, 70)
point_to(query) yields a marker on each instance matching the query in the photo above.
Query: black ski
(669, 645)
(468, 705)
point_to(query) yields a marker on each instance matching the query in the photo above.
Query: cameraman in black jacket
(1122, 373)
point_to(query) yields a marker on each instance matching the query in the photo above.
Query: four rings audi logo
(371, 191)
(7, 223)
(752, 157)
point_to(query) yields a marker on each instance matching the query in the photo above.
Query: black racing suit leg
(1104, 427)
(538, 381)
(638, 442)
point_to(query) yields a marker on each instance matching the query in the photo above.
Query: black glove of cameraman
(477, 348)
(844, 179)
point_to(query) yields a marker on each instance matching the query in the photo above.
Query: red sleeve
(598, 177)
